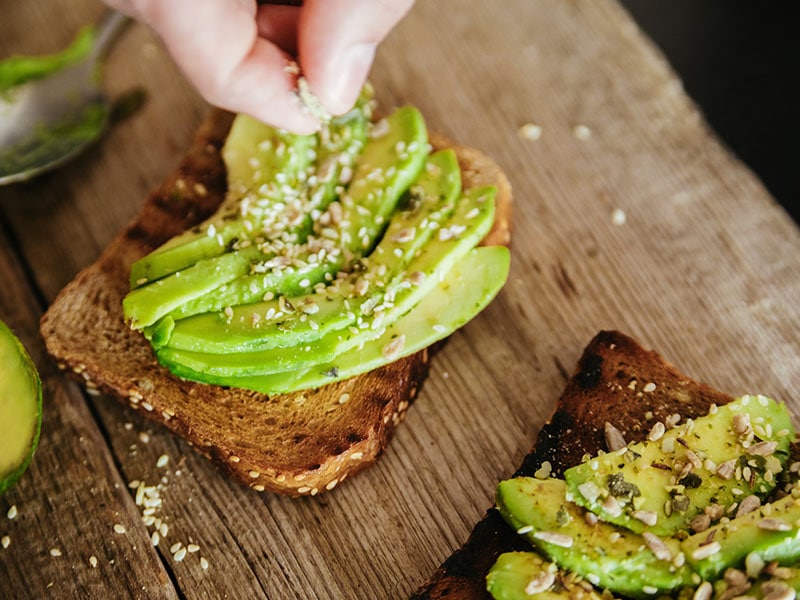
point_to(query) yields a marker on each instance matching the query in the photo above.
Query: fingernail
(342, 85)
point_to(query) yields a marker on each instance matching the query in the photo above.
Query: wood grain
(704, 269)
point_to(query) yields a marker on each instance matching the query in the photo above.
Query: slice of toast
(617, 382)
(300, 443)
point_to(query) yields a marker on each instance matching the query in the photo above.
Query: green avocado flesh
(276, 265)
(521, 575)
(652, 480)
(607, 556)
(747, 518)
(332, 254)
(463, 292)
(20, 408)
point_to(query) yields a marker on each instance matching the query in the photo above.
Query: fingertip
(285, 112)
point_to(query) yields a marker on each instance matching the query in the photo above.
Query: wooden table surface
(704, 268)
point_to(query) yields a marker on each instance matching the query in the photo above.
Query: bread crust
(609, 385)
(302, 443)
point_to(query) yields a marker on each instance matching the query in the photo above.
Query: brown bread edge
(295, 444)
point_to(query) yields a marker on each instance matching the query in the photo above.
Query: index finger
(337, 40)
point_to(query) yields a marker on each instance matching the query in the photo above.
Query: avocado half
(20, 408)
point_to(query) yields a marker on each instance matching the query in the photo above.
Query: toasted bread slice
(617, 382)
(300, 443)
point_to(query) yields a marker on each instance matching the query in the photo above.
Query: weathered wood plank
(71, 497)
(704, 268)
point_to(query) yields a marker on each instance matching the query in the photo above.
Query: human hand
(238, 53)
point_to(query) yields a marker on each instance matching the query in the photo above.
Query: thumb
(337, 40)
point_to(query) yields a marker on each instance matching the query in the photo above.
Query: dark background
(739, 62)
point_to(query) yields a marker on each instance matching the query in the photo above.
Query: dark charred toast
(616, 381)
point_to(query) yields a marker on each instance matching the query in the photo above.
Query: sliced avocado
(383, 171)
(386, 168)
(526, 576)
(369, 318)
(20, 408)
(274, 179)
(147, 304)
(233, 223)
(463, 293)
(772, 531)
(605, 555)
(287, 322)
(659, 486)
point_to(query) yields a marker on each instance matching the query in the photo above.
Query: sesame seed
(192, 548)
(649, 387)
(254, 474)
(155, 539)
(179, 555)
(703, 592)
(356, 456)
(12, 512)
(557, 539)
(203, 563)
(5, 541)
(649, 589)
(525, 529)
(581, 132)
(618, 217)
(656, 432)
(162, 461)
(175, 547)
(119, 528)
(93, 561)
(530, 131)
(706, 550)
(55, 552)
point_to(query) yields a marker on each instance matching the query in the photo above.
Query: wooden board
(704, 268)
